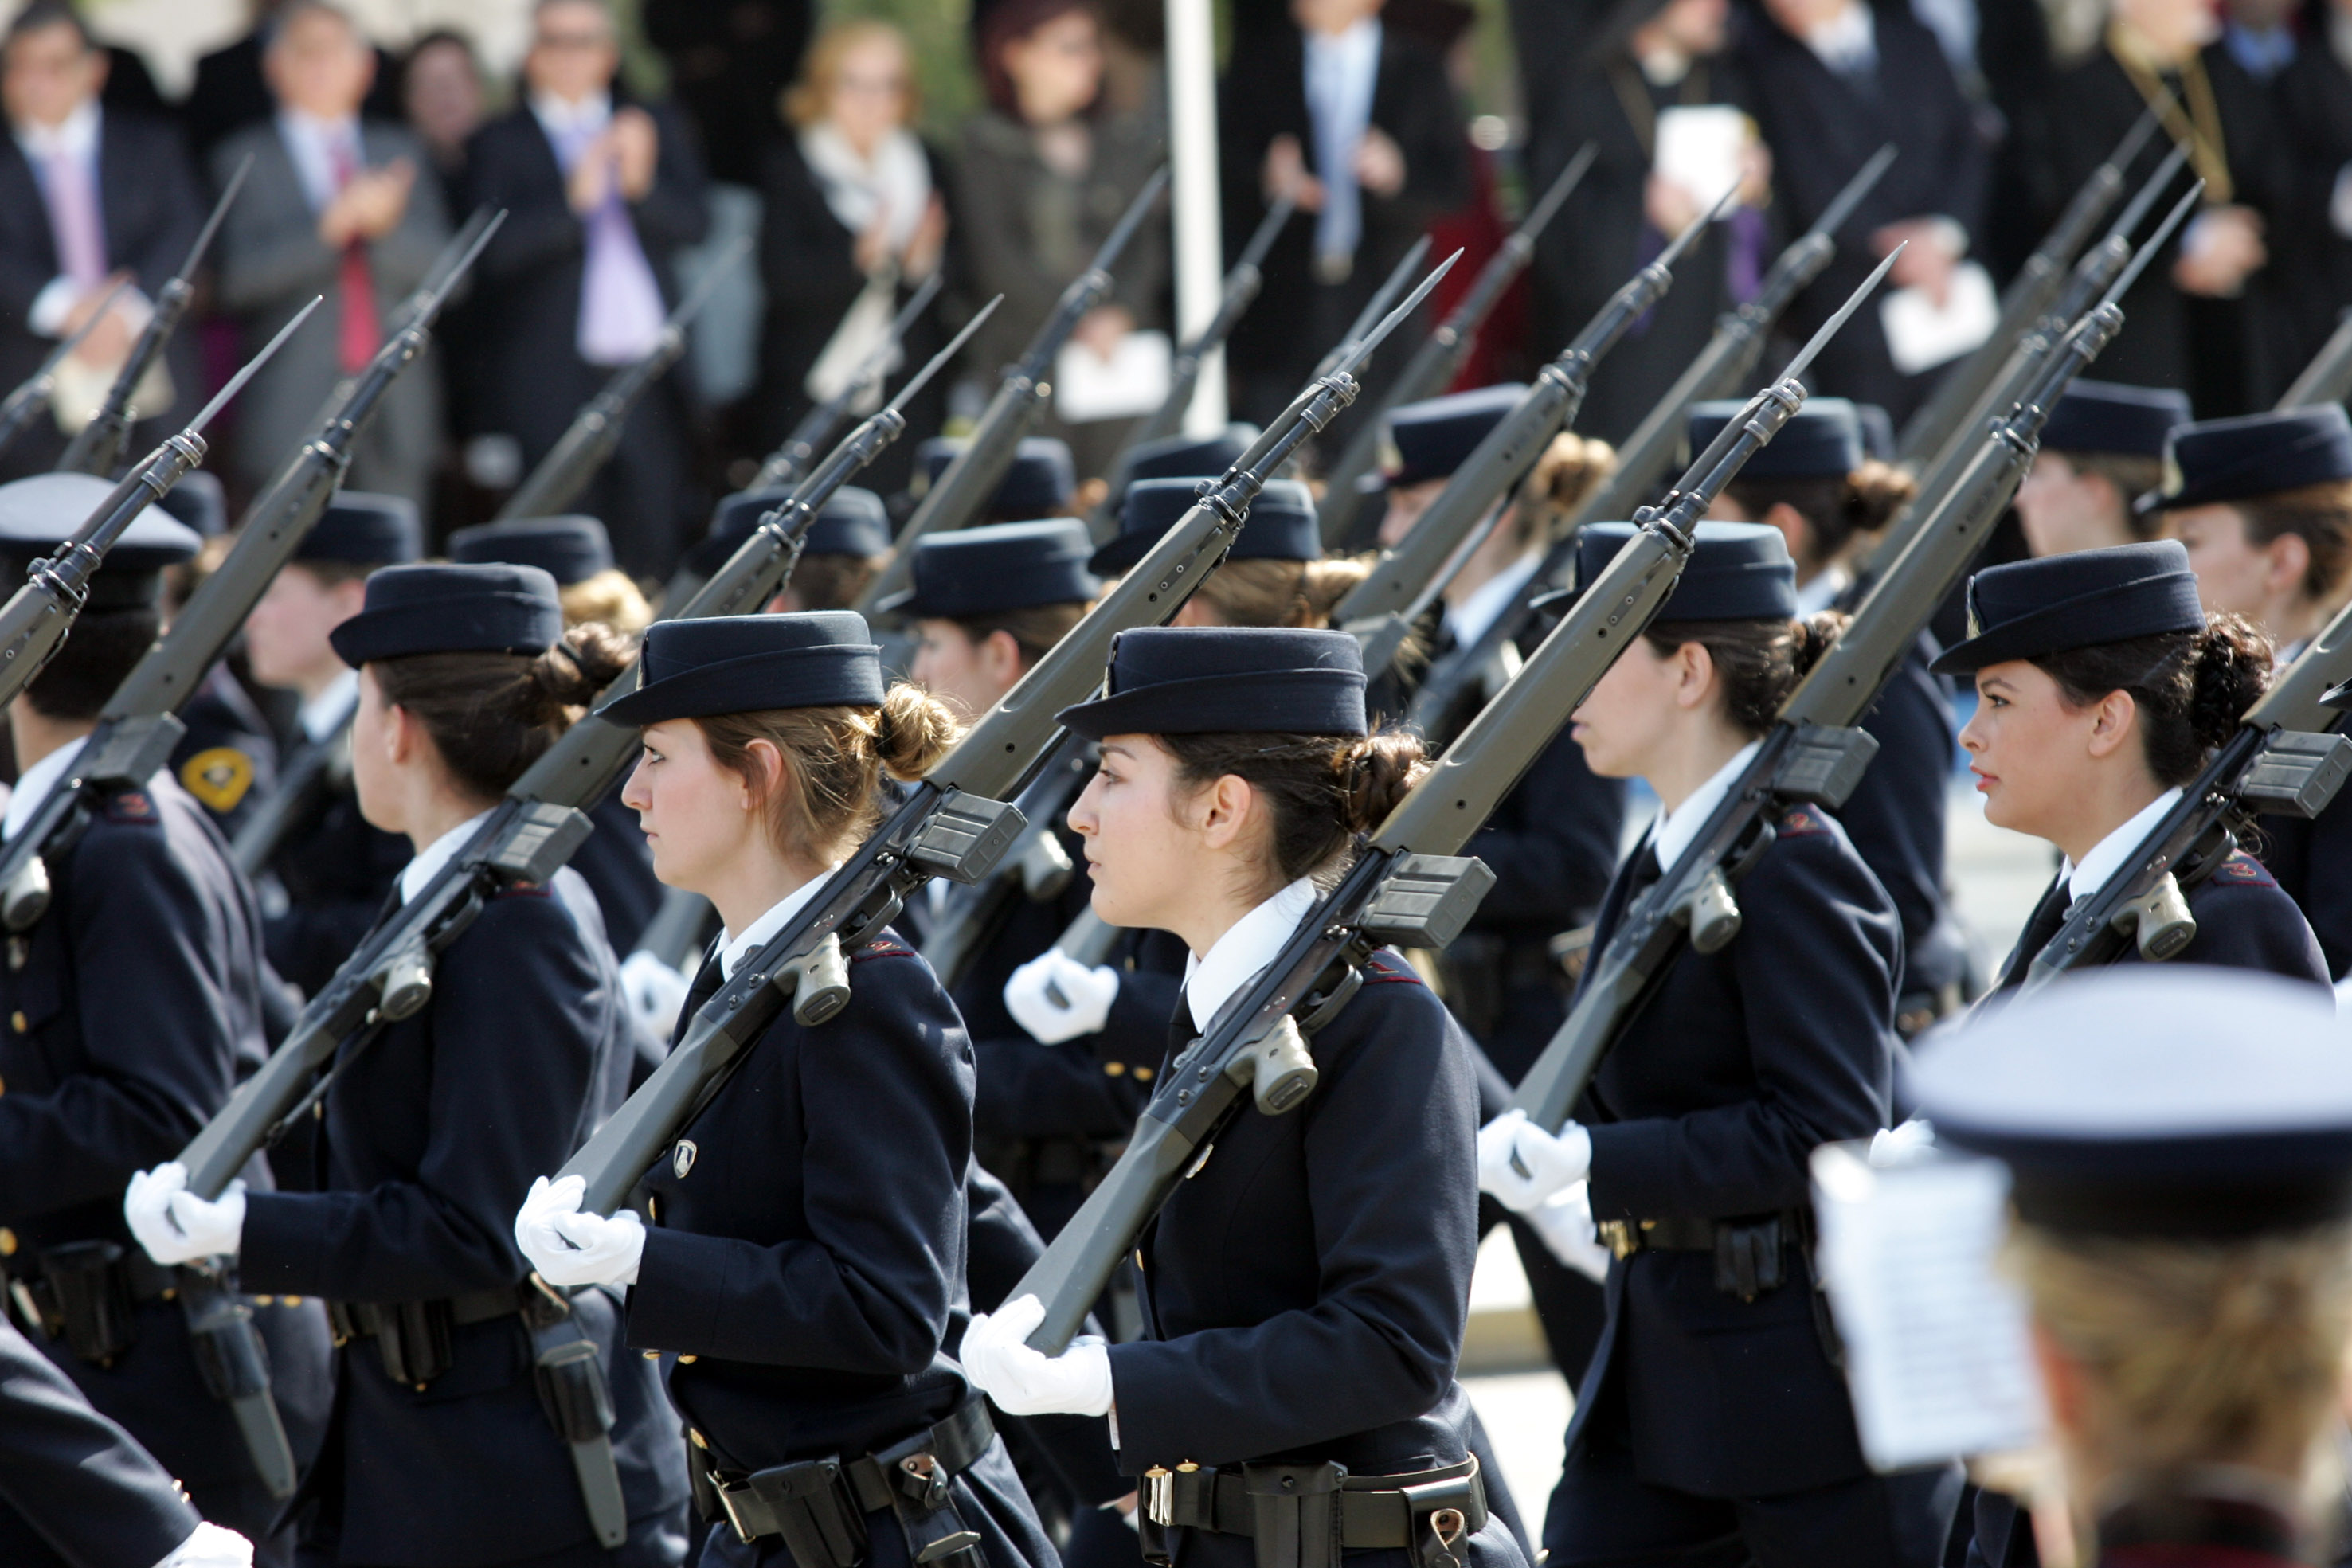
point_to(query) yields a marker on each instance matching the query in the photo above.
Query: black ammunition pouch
(818, 1507)
(89, 1297)
(1747, 1258)
(569, 1370)
(230, 1356)
(413, 1338)
(1305, 1516)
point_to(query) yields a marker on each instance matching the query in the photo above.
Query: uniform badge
(219, 776)
(681, 1159)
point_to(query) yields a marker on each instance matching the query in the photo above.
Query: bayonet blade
(1830, 327)
(1842, 206)
(2147, 252)
(916, 383)
(237, 382)
(1395, 318)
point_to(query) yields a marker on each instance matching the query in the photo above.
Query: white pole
(1198, 225)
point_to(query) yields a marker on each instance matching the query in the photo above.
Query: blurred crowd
(807, 129)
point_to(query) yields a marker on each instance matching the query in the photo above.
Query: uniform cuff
(681, 1278)
(276, 1251)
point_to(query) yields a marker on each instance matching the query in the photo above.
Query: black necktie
(706, 981)
(2048, 916)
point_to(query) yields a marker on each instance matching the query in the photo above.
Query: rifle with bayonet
(37, 617)
(962, 489)
(2328, 377)
(953, 823)
(1381, 609)
(1439, 360)
(140, 727)
(528, 836)
(1410, 887)
(1816, 751)
(1725, 364)
(1509, 450)
(2022, 361)
(96, 447)
(2031, 296)
(1241, 285)
(1377, 308)
(788, 464)
(595, 431)
(295, 498)
(31, 396)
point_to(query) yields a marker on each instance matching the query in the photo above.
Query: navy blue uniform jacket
(337, 872)
(806, 1245)
(2313, 862)
(1708, 1107)
(430, 1140)
(228, 757)
(1895, 815)
(133, 1009)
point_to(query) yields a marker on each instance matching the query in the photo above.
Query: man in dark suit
(601, 194)
(1361, 127)
(87, 197)
(1835, 81)
(334, 207)
(230, 92)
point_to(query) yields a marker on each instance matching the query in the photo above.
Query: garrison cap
(199, 501)
(1227, 680)
(1822, 439)
(483, 607)
(2107, 416)
(39, 514)
(1183, 457)
(1877, 431)
(1039, 484)
(2028, 609)
(573, 548)
(988, 570)
(1280, 525)
(362, 529)
(1433, 438)
(751, 664)
(2256, 454)
(2156, 1102)
(851, 522)
(1738, 572)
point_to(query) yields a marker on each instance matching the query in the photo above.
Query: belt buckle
(1620, 1238)
(1159, 1496)
(727, 1505)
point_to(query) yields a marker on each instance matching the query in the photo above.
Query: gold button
(653, 1355)
(1186, 1468)
(653, 1207)
(1115, 1069)
(686, 1361)
(16, 1022)
(265, 1301)
(699, 1440)
(8, 1242)
(1143, 1075)
(290, 1301)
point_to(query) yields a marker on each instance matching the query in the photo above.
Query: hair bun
(1378, 773)
(912, 732)
(2231, 669)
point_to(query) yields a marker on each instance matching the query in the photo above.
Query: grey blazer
(271, 261)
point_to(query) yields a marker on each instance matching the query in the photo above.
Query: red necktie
(361, 334)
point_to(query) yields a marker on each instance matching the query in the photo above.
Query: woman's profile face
(1625, 723)
(700, 819)
(2029, 750)
(869, 96)
(1139, 853)
(1056, 67)
(373, 771)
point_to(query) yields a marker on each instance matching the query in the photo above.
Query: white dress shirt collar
(558, 116)
(1246, 948)
(1847, 42)
(34, 783)
(330, 709)
(435, 855)
(1821, 592)
(734, 950)
(1469, 619)
(2107, 856)
(1678, 828)
(313, 146)
(75, 135)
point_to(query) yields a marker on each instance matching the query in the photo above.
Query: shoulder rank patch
(131, 806)
(1803, 820)
(518, 888)
(218, 777)
(2242, 870)
(1385, 969)
(881, 947)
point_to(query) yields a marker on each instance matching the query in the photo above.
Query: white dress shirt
(321, 150)
(1246, 948)
(1342, 71)
(76, 138)
(436, 854)
(734, 950)
(1678, 829)
(2107, 856)
(35, 784)
(327, 713)
(1469, 619)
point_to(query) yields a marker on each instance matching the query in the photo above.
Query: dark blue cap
(1433, 437)
(2257, 455)
(1280, 526)
(1823, 438)
(1877, 431)
(573, 548)
(1039, 484)
(2029, 609)
(1183, 457)
(362, 529)
(1227, 680)
(1006, 566)
(481, 608)
(2154, 1102)
(753, 663)
(199, 501)
(39, 514)
(1739, 572)
(851, 522)
(2106, 416)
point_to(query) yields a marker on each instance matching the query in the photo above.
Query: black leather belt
(818, 1505)
(1678, 1234)
(363, 1320)
(1304, 1516)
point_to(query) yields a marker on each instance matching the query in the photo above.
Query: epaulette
(882, 947)
(1802, 822)
(2242, 870)
(1386, 968)
(131, 806)
(518, 888)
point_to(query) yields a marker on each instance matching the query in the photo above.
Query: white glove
(1025, 1382)
(1899, 1145)
(173, 1224)
(1523, 1165)
(1565, 1224)
(653, 991)
(569, 1248)
(1085, 996)
(211, 1547)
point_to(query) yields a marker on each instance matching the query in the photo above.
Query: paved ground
(1997, 878)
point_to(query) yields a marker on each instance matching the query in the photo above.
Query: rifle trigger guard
(1711, 913)
(1325, 1006)
(2158, 919)
(820, 982)
(1277, 1069)
(27, 897)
